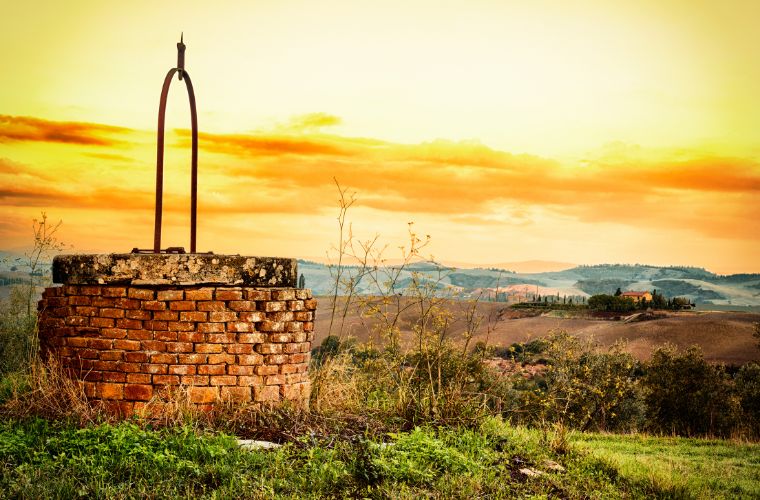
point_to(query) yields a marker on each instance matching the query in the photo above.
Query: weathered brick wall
(133, 344)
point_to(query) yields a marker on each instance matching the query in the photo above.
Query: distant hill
(697, 284)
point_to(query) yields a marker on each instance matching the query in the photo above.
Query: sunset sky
(576, 131)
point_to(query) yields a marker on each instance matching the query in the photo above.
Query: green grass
(690, 468)
(41, 459)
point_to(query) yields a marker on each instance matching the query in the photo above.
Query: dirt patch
(725, 337)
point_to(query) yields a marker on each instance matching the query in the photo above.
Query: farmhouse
(638, 296)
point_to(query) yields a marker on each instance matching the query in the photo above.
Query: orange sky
(579, 132)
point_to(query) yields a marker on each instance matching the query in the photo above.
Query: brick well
(138, 337)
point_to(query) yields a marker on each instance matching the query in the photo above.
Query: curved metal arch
(183, 75)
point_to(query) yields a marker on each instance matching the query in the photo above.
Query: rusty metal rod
(160, 158)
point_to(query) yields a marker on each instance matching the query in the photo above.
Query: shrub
(686, 395)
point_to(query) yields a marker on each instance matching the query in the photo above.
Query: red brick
(77, 321)
(252, 338)
(208, 348)
(109, 391)
(276, 359)
(141, 293)
(156, 325)
(136, 357)
(294, 326)
(299, 358)
(221, 338)
(310, 304)
(269, 348)
(138, 378)
(239, 349)
(229, 294)
(137, 314)
(245, 380)
(127, 345)
(287, 294)
(203, 394)
(211, 327)
(75, 300)
(299, 337)
(279, 338)
(135, 392)
(192, 359)
(181, 326)
(139, 334)
(114, 333)
(303, 316)
(154, 305)
(111, 355)
(221, 358)
(132, 324)
(70, 289)
(274, 306)
(211, 370)
(164, 358)
(252, 317)
(250, 359)
(286, 369)
(222, 317)
(236, 394)
(100, 344)
(191, 336)
(153, 345)
(295, 305)
(274, 380)
(182, 305)
(166, 379)
(89, 290)
(214, 306)
(280, 316)
(103, 302)
(200, 294)
(271, 326)
(131, 304)
(108, 312)
(165, 336)
(166, 315)
(179, 347)
(155, 369)
(308, 326)
(259, 295)
(238, 370)
(294, 378)
(303, 294)
(114, 377)
(223, 380)
(170, 295)
(114, 291)
(266, 393)
(194, 380)
(239, 326)
(129, 367)
(86, 311)
(195, 316)
(266, 370)
(91, 376)
(89, 389)
(182, 369)
(296, 392)
(242, 305)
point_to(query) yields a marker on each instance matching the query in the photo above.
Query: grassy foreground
(688, 467)
(41, 459)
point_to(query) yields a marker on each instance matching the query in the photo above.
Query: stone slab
(174, 269)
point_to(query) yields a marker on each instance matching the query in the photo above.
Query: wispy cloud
(25, 128)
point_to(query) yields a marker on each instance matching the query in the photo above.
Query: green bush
(686, 395)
